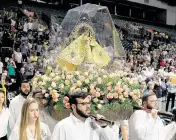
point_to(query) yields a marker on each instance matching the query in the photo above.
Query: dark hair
(36, 91)
(146, 96)
(73, 97)
(24, 81)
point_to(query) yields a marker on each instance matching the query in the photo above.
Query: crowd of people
(23, 41)
(151, 58)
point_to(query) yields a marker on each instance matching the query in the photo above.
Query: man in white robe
(79, 126)
(17, 103)
(145, 125)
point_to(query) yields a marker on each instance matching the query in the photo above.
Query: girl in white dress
(4, 116)
(30, 127)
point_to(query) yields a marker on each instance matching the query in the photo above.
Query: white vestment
(15, 110)
(143, 127)
(4, 118)
(72, 128)
(45, 133)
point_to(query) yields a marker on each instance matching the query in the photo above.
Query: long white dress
(45, 133)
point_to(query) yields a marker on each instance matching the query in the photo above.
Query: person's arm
(124, 129)
(14, 64)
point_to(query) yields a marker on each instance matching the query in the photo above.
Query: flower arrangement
(114, 91)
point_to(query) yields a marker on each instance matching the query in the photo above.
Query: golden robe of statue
(84, 49)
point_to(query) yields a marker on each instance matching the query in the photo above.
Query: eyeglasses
(85, 103)
(154, 101)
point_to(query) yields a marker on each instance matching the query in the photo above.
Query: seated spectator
(33, 58)
(11, 68)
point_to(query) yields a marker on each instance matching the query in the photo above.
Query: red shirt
(162, 63)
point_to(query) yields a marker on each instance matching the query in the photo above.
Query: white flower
(63, 76)
(61, 86)
(45, 78)
(55, 100)
(84, 90)
(59, 72)
(105, 76)
(86, 73)
(34, 83)
(98, 89)
(43, 83)
(53, 84)
(99, 80)
(48, 79)
(34, 79)
(65, 68)
(72, 89)
(55, 91)
(57, 95)
(78, 90)
(49, 88)
(99, 106)
(102, 70)
(56, 78)
(87, 81)
(67, 82)
(79, 83)
(52, 75)
(82, 78)
(40, 83)
(46, 95)
(77, 72)
(91, 77)
(119, 83)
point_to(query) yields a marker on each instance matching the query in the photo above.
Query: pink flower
(109, 96)
(95, 100)
(115, 96)
(89, 97)
(109, 88)
(65, 100)
(95, 83)
(92, 91)
(43, 91)
(125, 94)
(67, 106)
(68, 77)
(97, 94)
(119, 91)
